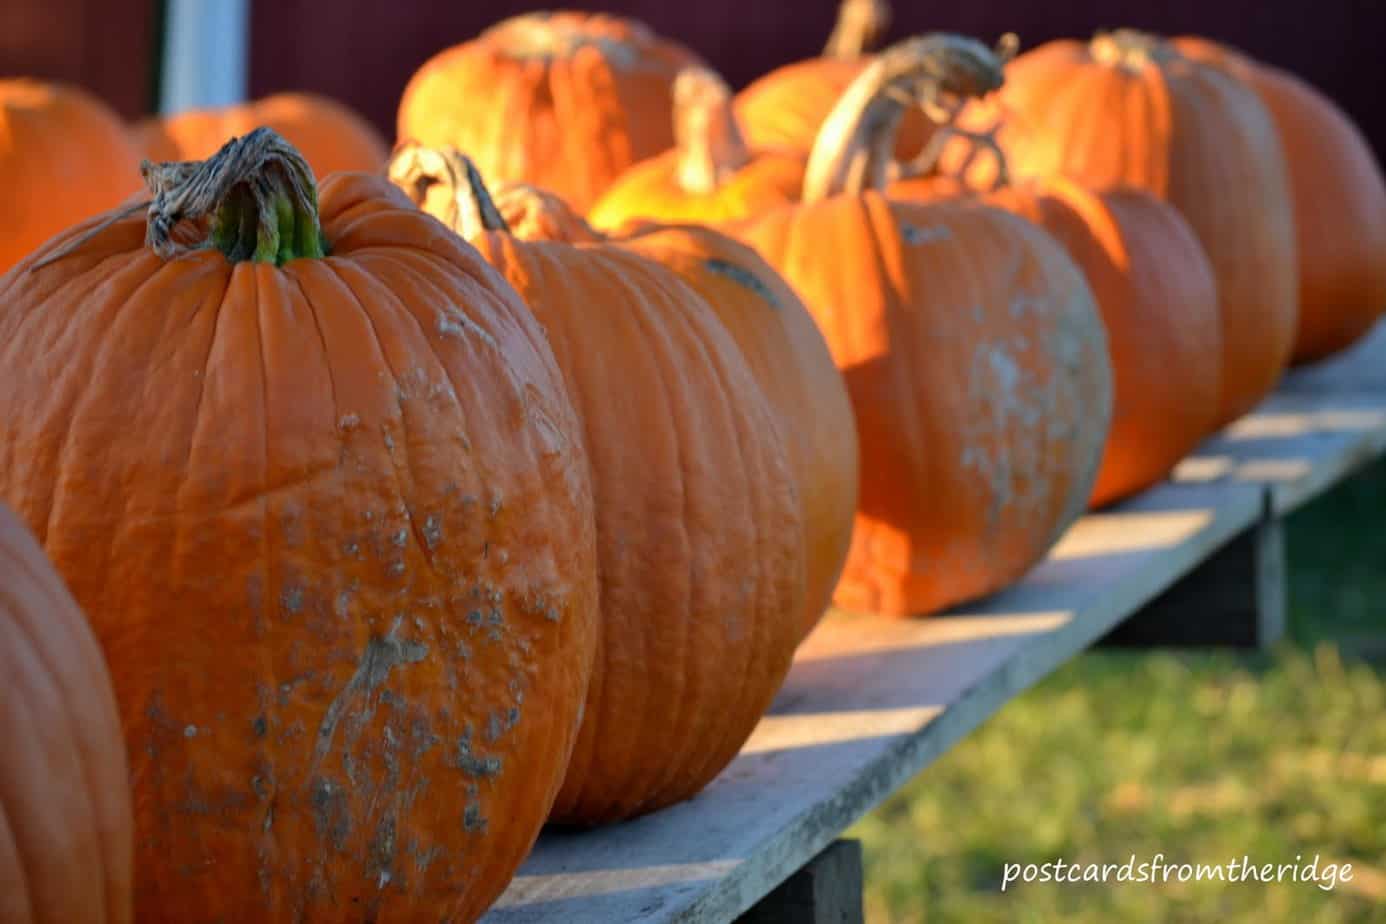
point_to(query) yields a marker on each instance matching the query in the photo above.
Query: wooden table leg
(827, 890)
(1237, 598)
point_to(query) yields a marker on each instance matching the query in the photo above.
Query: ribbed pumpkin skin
(1339, 204)
(332, 524)
(1189, 135)
(50, 177)
(783, 110)
(564, 100)
(698, 526)
(331, 137)
(65, 831)
(978, 370)
(790, 359)
(650, 190)
(1159, 304)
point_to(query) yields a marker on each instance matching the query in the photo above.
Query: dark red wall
(105, 46)
(363, 51)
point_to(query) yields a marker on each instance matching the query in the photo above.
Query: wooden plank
(828, 890)
(870, 701)
(1237, 598)
(868, 704)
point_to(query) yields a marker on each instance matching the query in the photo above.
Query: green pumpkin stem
(258, 192)
(425, 174)
(938, 73)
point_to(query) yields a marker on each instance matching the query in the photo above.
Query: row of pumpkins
(410, 513)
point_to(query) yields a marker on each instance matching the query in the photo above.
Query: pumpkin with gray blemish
(701, 557)
(973, 352)
(283, 597)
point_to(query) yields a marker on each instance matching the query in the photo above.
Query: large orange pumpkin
(778, 338)
(974, 357)
(698, 524)
(1127, 109)
(1158, 299)
(710, 175)
(64, 157)
(564, 100)
(1339, 204)
(331, 520)
(65, 832)
(330, 136)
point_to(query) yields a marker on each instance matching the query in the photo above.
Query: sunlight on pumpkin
(533, 890)
(816, 729)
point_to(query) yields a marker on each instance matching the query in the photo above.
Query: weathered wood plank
(828, 890)
(870, 701)
(1236, 598)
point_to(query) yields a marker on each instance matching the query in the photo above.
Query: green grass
(1204, 757)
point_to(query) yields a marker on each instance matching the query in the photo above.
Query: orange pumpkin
(1339, 204)
(698, 525)
(778, 338)
(63, 157)
(65, 832)
(974, 357)
(1158, 299)
(1127, 109)
(331, 520)
(564, 100)
(710, 175)
(330, 136)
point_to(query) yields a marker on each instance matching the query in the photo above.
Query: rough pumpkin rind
(699, 524)
(1158, 299)
(65, 831)
(332, 523)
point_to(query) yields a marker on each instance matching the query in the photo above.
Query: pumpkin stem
(855, 148)
(446, 184)
(709, 140)
(1129, 49)
(258, 191)
(534, 214)
(860, 25)
(926, 162)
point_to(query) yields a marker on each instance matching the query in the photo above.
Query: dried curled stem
(939, 73)
(860, 26)
(709, 141)
(257, 190)
(446, 184)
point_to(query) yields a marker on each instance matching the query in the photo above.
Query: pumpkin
(701, 555)
(564, 100)
(331, 521)
(49, 178)
(65, 834)
(777, 336)
(330, 136)
(1158, 300)
(974, 357)
(1339, 199)
(710, 175)
(1127, 109)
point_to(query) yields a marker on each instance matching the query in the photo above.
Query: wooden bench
(871, 702)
